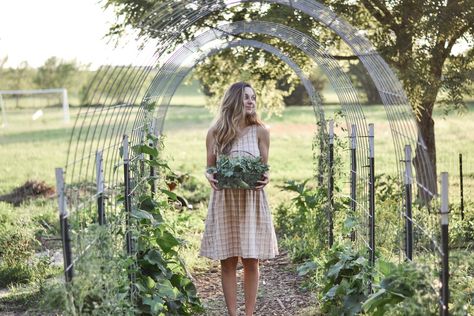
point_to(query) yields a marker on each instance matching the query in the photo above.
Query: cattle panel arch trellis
(170, 72)
(197, 57)
(101, 128)
(403, 126)
(156, 90)
(338, 79)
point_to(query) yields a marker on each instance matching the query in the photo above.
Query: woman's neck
(243, 125)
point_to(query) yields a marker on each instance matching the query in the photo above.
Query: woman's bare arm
(210, 145)
(211, 157)
(263, 136)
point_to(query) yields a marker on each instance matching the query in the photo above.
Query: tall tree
(19, 77)
(416, 37)
(55, 73)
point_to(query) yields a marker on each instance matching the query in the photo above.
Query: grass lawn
(32, 149)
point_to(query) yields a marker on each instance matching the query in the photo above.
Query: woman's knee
(250, 264)
(229, 264)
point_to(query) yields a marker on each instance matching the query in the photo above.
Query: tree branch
(382, 7)
(380, 12)
(455, 37)
(339, 57)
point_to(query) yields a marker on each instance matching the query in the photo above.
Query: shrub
(404, 289)
(346, 277)
(19, 264)
(461, 231)
(302, 222)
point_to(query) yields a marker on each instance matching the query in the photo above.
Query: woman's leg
(251, 276)
(229, 283)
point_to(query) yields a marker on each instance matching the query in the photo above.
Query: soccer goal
(15, 95)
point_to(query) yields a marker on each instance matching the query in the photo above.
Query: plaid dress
(239, 222)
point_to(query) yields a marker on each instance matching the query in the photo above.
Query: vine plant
(162, 283)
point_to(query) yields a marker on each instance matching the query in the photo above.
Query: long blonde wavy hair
(231, 112)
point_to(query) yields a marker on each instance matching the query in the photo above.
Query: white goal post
(63, 92)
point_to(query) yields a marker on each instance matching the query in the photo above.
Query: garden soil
(280, 290)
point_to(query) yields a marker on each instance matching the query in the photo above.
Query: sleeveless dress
(239, 222)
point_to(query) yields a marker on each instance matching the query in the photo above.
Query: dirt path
(279, 290)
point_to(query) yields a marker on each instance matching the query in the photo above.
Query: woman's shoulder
(211, 134)
(262, 128)
(263, 131)
(212, 130)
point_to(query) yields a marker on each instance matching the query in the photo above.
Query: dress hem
(246, 257)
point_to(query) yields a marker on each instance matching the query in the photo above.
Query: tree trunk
(425, 155)
(366, 83)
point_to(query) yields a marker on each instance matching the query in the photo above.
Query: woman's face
(250, 100)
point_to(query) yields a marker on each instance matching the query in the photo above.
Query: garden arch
(101, 128)
(169, 20)
(170, 75)
(175, 77)
(398, 110)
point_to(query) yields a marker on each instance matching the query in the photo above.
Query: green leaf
(375, 304)
(170, 194)
(167, 290)
(152, 137)
(361, 261)
(139, 214)
(159, 164)
(140, 287)
(332, 292)
(156, 304)
(350, 223)
(334, 270)
(167, 241)
(150, 283)
(352, 304)
(154, 257)
(307, 267)
(147, 203)
(145, 149)
(385, 267)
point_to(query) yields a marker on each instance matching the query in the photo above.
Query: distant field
(32, 149)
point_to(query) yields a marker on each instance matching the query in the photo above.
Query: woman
(239, 222)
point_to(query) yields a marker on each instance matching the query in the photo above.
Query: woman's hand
(262, 183)
(212, 180)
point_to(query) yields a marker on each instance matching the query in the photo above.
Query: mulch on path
(279, 291)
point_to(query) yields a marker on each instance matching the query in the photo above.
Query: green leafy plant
(403, 290)
(461, 231)
(240, 172)
(18, 262)
(100, 283)
(162, 282)
(302, 222)
(346, 280)
(152, 279)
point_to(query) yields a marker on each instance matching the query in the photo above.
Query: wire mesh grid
(121, 99)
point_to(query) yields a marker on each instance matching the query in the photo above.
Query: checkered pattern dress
(239, 222)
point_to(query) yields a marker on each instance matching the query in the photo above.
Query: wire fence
(99, 186)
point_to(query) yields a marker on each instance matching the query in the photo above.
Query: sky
(34, 30)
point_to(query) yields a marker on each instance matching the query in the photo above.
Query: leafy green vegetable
(240, 172)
